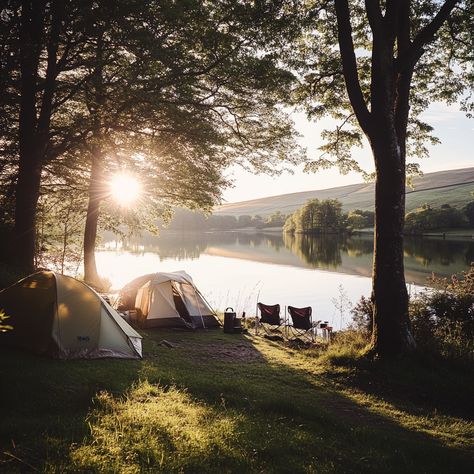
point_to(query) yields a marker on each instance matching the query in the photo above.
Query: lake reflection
(234, 268)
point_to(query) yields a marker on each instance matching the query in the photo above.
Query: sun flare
(125, 189)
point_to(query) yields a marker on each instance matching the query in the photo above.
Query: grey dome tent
(128, 294)
(62, 317)
(172, 300)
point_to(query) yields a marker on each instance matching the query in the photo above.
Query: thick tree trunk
(387, 134)
(97, 190)
(96, 194)
(394, 56)
(27, 194)
(29, 168)
(391, 327)
(34, 127)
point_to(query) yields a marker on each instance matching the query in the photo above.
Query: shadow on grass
(421, 384)
(213, 403)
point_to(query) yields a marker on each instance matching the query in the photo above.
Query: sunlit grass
(220, 403)
(152, 426)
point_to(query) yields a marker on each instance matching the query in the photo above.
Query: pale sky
(451, 126)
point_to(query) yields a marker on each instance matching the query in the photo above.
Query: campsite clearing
(233, 403)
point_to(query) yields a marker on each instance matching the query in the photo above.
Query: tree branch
(374, 15)
(57, 13)
(349, 65)
(403, 27)
(427, 34)
(404, 75)
(72, 92)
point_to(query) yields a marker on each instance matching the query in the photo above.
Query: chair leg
(307, 335)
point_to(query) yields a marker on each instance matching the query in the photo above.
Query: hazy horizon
(451, 126)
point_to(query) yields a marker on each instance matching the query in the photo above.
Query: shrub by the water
(362, 316)
(442, 317)
(426, 219)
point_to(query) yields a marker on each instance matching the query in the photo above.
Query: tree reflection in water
(332, 252)
(436, 251)
(316, 250)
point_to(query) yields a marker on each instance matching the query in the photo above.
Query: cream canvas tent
(62, 317)
(172, 300)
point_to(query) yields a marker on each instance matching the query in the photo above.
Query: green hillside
(452, 187)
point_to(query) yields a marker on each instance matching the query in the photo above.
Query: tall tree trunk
(387, 135)
(96, 185)
(96, 194)
(385, 125)
(27, 195)
(29, 168)
(34, 127)
(391, 327)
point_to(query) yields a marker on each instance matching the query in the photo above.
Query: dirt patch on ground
(240, 352)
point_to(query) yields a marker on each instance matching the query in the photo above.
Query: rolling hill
(452, 187)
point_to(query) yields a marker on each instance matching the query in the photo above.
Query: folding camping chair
(269, 315)
(302, 324)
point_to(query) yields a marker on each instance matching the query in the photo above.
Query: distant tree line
(427, 218)
(326, 216)
(314, 215)
(317, 217)
(185, 220)
(359, 219)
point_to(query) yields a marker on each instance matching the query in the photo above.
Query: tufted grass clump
(155, 426)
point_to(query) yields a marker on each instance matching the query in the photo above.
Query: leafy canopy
(444, 71)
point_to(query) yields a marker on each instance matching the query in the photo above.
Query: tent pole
(256, 314)
(199, 307)
(207, 302)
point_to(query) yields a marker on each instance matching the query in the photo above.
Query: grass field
(452, 187)
(231, 403)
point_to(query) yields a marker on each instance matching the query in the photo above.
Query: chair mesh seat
(301, 317)
(270, 314)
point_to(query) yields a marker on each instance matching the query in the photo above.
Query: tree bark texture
(385, 127)
(394, 56)
(391, 326)
(29, 170)
(96, 194)
(387, 135)
(34, 125)
(97, 191)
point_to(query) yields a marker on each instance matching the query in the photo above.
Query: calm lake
(236, 268)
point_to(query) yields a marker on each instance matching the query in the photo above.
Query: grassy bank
(450, 233)
(447, 233)
(222, 403)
